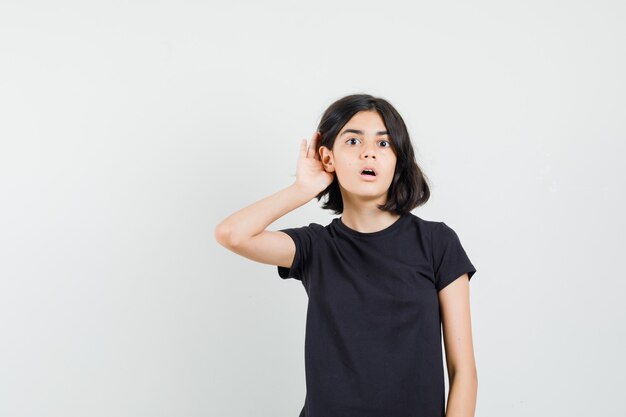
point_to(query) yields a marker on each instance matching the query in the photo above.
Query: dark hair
(409, 187)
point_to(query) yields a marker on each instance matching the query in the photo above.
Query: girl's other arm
(454, 300)
(243, 232)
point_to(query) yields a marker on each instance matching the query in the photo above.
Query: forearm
(462, 396)
(254, 219)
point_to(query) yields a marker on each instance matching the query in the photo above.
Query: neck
(367, 219)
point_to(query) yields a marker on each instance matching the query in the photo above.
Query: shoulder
(444, 236)
(436, 234)
(310, 231)
(442, 230)
(316, 228)
(311, 226)
(430, 228)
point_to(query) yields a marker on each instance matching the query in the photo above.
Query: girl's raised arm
(243, 232)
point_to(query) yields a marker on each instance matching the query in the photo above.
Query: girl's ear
(326, 157)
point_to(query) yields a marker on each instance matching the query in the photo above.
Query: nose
(369, 152)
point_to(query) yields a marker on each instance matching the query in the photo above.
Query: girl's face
(362, 143)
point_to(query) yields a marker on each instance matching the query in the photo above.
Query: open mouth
(368, 172)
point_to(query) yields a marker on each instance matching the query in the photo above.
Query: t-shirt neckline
(383, 232)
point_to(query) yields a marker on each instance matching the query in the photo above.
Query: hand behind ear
(311, 175)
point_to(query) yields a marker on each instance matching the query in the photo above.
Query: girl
(380, 280)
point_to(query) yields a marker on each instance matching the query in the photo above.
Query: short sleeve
(449, 258)
(304, 238)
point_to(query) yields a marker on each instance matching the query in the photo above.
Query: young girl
(380, 280)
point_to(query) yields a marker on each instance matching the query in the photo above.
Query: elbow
(222, 235)
(467, 372)
(228, 237)
(469, 376)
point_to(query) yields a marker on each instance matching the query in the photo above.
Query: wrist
(303, 192)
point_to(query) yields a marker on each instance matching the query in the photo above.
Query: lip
(368, 177)
(370, 168)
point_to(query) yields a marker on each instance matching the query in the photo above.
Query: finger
(319, 139)
(303, 148)
(311, 149)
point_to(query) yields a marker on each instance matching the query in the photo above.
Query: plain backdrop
(129, 129)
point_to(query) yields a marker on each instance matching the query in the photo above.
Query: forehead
(367, 120)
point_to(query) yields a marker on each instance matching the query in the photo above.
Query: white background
(130, 129)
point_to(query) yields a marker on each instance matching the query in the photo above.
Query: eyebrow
(360, 132)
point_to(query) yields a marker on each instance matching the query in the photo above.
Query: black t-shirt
(373, 344)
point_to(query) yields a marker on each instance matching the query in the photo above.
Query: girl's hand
(311, 176)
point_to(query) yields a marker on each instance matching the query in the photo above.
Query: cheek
(344, 164)
(344, 171)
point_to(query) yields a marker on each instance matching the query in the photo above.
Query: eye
(388, 144)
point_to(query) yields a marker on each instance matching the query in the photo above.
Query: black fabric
(373, 344)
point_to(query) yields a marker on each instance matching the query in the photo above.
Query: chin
(362, 191)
